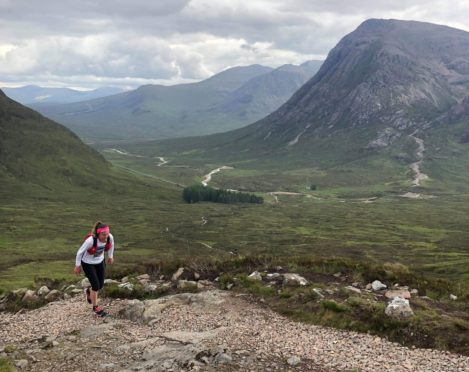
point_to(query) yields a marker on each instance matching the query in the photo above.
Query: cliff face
(396, 75)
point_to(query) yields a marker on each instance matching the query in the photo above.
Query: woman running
(90, 256)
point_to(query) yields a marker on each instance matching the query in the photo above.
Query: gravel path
(257, 338)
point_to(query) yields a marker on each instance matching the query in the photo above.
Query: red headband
(102, 229)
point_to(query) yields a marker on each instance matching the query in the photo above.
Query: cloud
(129, 43)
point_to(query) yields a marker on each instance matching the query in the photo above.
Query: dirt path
(254, 337)
(208, 177)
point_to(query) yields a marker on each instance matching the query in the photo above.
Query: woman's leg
(91, 273)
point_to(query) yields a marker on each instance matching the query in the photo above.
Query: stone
(204, 284)
(318, 292)
(149, 287)
(196, 276)
(273, 276)
(414, 292)
(229, 285)
(293, 361)
(143, 277)
(30, 296)
(223, 358)
(403, 293)
(22, 363)
(85, 283)
(353, 289)
(368, 287)
(125, 279)
(76, 292)
(70, 287)
(294, 279)
(337, 274)
(110, 281)
(43, 291)
(53, 295)
(19, 292)
(399, 308)
(378, 286)
(453, 297)
(133, 310)
(107, 367)
(186, 284)
(178, 274)
(255, 275)
(127, 285)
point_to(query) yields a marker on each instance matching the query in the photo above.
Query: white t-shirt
(98, 257)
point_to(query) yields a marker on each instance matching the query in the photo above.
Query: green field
(356, 211)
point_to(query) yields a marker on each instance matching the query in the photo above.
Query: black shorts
(95, 274)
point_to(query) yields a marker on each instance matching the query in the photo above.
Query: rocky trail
(415, 167)
(205, 330)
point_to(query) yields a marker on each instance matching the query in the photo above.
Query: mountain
(390, 93)
(36, 152)
(228, 100)
(33, 94)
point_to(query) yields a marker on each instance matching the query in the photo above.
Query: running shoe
(99, 311)
(88, 295)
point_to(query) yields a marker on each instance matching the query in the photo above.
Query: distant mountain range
(33, 94)
(391, 98)
(227, 100)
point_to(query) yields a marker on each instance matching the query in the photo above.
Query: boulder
(53, 295)
(294, 279)
(43, 291)
(30, 296)
(85, 283)
(393, 293)
(399, 308)
(255, 275)
(378, 286)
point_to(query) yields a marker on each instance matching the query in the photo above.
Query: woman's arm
(87, 244)
(110, 254)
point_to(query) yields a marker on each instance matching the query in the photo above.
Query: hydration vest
(94, 248)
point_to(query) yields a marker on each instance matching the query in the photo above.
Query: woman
(90, 256)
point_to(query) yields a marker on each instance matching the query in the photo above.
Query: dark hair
(97, 226)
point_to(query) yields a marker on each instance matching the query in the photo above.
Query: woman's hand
(77, 270)
(110, 260)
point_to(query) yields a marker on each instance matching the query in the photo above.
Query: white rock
(393, 293)
(273, 276)
(125, 279)
(30, 296)
(111, 281)
(377, 285)
(353, 289)
(143, 277)
(43, 291)
(149, 287)
(318, 292)
(127, 285)
(178, 274)
(294, 279)
(414, 292)
(186, 283)
(22, 363)
(85, 283)
(53, 295)
(399, 308)
(255, 275)
(293, 361)
(453, 297)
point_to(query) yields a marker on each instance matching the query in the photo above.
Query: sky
(88, 44)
